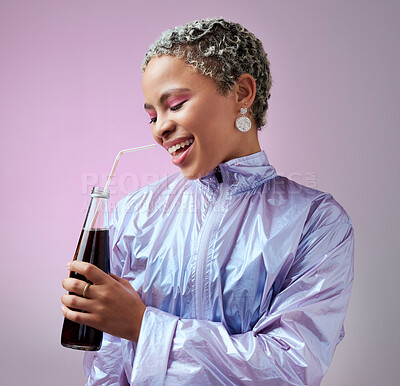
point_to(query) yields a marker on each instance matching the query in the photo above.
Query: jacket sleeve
(105, 367)
(291, 344)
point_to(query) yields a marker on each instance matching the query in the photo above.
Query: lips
(179, 149)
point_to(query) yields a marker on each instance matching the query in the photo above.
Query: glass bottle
(93, 247)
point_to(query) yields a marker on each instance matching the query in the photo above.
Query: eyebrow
(165, 95)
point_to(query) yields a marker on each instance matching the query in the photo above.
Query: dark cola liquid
(93, 247)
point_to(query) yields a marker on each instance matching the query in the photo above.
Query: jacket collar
(241, 174)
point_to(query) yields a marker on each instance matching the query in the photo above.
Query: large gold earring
(243, 123)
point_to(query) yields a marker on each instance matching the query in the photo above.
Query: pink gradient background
(70, 99)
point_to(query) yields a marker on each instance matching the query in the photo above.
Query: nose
(163, 128)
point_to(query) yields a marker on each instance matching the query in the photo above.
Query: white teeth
(181, 145)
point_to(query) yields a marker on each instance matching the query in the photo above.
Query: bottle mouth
(100, 192)
(96, 229)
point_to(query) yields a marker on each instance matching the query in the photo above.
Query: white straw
(119, 155)
(117, 158)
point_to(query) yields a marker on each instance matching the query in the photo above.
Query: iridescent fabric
(247, 281)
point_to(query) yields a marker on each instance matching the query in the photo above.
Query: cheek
(156, 138)
(208, 116)
(209, 119)
(219, 111)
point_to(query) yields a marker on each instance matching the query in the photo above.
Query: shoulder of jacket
(314, 201)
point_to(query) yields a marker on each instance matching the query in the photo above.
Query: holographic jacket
(246, 280)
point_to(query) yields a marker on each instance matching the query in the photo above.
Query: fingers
(77, 287)
(90, 271)
(79, 317)
(77, 303)
(112, 306)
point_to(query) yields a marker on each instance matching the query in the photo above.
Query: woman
(224, 273)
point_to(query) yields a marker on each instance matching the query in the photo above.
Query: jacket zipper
(203, 251)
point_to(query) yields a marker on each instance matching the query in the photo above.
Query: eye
(177, 107)
(153, 116)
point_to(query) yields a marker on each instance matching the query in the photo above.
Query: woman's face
(190, 119)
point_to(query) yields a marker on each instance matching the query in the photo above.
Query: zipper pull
(218, 174)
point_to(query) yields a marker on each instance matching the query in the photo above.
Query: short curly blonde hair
(222, 50)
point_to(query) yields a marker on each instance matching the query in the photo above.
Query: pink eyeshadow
(174, 101)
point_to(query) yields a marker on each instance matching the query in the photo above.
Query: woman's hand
(110, 304)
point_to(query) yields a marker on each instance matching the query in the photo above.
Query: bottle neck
(100, 192)
(98, 215)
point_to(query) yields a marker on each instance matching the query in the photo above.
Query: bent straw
(119, 155)
(117, 158)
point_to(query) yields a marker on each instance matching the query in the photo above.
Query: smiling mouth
(179, 148)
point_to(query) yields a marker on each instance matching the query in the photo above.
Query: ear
(245, 90)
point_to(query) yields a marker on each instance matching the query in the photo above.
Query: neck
(246, 144)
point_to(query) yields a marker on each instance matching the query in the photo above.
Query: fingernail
(63, 309)
(68, 265)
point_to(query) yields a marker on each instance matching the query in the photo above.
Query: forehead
(166, 63)
(168, 72)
